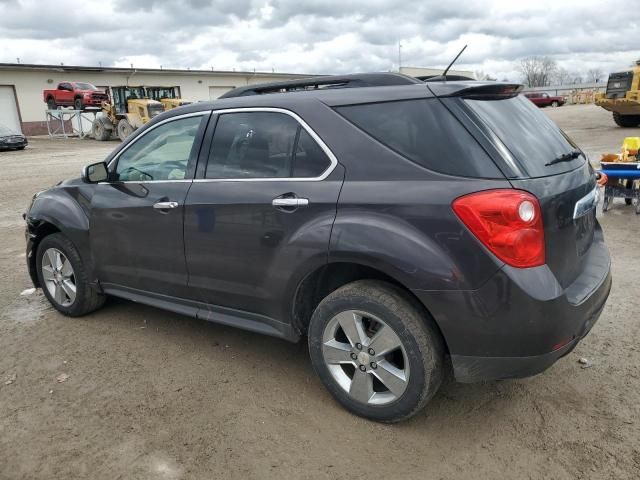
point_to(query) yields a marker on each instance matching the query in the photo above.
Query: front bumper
(521, 321)
(93, 101)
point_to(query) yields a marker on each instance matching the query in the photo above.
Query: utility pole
(399, 56)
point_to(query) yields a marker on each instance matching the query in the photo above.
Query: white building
(22, 105)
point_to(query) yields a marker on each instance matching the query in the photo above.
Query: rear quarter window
(426, 133)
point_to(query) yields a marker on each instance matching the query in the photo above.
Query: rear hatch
(537, 156)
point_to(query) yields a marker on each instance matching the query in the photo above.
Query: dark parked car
(543, 99)
(401, 227)
(11, 140)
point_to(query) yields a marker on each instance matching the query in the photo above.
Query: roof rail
(316, 83)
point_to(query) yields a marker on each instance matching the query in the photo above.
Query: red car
(74, 94)
(543, 99)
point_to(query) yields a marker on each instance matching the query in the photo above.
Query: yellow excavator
(622, 97)
(168, 96)
(128, 108)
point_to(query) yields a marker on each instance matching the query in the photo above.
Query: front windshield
(85, 86)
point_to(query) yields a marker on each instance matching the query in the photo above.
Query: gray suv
(405, 228)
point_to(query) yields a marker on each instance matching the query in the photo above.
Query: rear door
(64, 95)
(540, 158)
(260, 211)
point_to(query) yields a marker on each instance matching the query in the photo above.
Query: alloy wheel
(365, 357)
(59, 277)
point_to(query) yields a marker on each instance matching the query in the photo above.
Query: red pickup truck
(543, 99)
(74, 94)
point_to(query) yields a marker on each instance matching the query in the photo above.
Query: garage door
(9, 109)
(216, 92)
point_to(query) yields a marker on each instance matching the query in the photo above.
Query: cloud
(319, 36)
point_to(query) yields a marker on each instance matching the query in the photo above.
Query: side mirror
(96, 172)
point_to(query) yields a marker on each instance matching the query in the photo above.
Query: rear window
(425, 132)
(531, 137)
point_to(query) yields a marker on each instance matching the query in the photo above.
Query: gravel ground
(153, 395)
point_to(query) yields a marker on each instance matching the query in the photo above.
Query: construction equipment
(620, 174)
(623, 97)
(128, 108)
(168, 96)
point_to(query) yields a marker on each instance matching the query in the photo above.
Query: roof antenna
(443, 75)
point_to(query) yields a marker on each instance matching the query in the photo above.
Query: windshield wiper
(565, 157)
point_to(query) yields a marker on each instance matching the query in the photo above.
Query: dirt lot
(153, 395)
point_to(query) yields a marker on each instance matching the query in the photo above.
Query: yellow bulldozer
(622, 97)
(168, 96)
(128, 108)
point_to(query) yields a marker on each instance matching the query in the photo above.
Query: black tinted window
(310, 160)
(531, 137)
(263, 145)
(426, 133)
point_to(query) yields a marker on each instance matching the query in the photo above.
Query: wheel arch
(327, 278)
(36, 235)
(56, 212)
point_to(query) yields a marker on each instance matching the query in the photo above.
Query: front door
(260, 211)
(137, 218)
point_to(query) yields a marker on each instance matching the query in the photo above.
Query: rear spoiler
(476, 90)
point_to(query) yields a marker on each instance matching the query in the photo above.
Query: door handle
(165, 205)
(290, 202)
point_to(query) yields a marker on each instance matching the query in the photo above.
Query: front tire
(554, 104)
(77, 104)
(124, 129)
(100, 131)
(376, 350)
(63, 277)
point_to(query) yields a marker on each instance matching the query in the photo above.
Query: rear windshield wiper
(565, 157)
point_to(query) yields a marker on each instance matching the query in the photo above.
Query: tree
(562, 76)
(537, 71)
(594, 75)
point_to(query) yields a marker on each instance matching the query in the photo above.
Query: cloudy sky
(320, 36)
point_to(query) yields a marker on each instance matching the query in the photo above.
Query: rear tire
(51, 103)
(626, 121)
(63, 277)
(124, 129)
(392, 383)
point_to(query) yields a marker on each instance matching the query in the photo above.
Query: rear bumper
(521, 321)
(8, 146)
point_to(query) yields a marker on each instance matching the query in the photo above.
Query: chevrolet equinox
(404, 228)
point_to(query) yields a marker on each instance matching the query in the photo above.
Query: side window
(263, 145)
(425, 132)
(161, 154)
(310, 160)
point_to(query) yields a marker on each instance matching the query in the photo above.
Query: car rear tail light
(508, 222)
